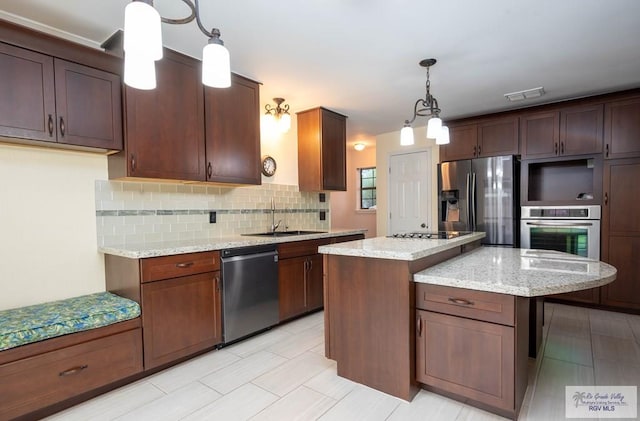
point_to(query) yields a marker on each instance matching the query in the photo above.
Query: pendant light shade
(142, 30)
(443, 137)
(216, 66)
(139, 72)
(434, 127)
(406, 135)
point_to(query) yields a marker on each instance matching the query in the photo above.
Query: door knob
(423, 225)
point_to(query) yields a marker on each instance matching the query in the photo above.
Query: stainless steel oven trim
(592, 225)
(593, 212)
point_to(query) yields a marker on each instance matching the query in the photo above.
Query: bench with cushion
(56, 351)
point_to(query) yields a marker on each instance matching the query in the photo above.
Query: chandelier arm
(188, 19)
(200, 25)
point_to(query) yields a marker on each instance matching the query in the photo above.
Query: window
(367, 187)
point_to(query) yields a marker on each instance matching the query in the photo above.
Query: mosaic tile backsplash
(132, 213)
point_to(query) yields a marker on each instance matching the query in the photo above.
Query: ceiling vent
(526, 94)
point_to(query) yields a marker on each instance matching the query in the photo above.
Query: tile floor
(282, 375)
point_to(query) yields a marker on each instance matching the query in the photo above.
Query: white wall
(386, 145)
(284, 149)
(48, 247)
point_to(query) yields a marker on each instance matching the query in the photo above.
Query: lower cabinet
(180, 316)
(474, 345)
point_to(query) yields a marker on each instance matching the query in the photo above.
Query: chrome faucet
(274, 226)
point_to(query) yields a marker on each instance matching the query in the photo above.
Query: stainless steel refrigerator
(480, 195)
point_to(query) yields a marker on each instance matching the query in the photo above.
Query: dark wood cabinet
(321, 150)
(492, 137)
(165, 126)
(576, 130)
(621, 232)
(540, 134)
(180, 316)
(233, 132)
(622, 129)
(291, 286)
(53, 100)
(473, 344)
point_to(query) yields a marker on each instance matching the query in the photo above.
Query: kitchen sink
(284, 233)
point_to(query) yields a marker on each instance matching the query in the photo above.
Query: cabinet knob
(209, 170)
(419, 326)
(555, 148)
(474, 150)
(74, 370)
(133, 163)
(479, 150)
(606, 150)
(606, 198)
(184, 265)
(62, 127)
(50, 125)
(561, 148)
(461, 301)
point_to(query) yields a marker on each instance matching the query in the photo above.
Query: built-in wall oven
(571, 229)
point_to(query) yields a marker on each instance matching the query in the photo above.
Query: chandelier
(277, 118)
(143, 46)
(427, 107)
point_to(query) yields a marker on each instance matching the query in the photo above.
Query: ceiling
(360, 57)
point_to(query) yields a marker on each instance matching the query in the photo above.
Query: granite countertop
(397, 248)
(522, 272)
(167, 248)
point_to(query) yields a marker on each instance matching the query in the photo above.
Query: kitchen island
(446, 315)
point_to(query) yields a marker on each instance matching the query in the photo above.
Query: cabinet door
(621, 232)
(498, 137)
(165, 126)
(291, 284)
(232, 121)
(27, 100)
(622, 129)
(581, 130)
(334, 153)
(466, 357)
(88, 106)
(463, 143)
(540, 134)
(314, 283)
(180, 316)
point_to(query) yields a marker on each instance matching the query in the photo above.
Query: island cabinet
(473, 345)
(574, 130)
(180, 298)
(48, 99)
(622, 128)
(322, 155)
(491, 137)
(621, 231)
(184, 131)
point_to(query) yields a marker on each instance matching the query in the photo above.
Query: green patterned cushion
(20, 326)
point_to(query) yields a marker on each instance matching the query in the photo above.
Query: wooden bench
(56, 351)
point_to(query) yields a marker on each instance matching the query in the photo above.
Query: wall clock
(268, 166)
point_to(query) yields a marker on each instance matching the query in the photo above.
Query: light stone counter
(397, 248)
(522, 272)
(167, 248)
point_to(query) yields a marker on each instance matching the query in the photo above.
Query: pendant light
(427, 107)
(143, 46)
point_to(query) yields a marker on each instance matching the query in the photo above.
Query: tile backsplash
(131, 213)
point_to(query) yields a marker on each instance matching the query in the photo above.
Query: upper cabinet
(184, 131)
(165, 126)
(53, 100)
(622, 129)
(321, 150)
(569, 131)
(491, 137)
(232, 128)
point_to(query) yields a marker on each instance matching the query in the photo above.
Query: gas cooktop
(437, 235)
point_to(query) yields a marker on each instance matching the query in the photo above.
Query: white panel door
(410, 192)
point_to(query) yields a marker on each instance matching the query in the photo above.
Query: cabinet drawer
(479, 305)
(301, 248)
(33, 383)
(167, 267)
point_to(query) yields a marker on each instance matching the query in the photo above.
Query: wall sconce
(143, 46)
(359, 147)
(277, 119)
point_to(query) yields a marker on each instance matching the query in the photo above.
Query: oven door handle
(560, 224)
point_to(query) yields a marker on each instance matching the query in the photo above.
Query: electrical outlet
(212, 217)
(323, 215)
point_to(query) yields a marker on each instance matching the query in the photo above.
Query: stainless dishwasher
(249, 290)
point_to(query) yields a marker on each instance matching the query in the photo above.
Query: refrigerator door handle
(473, 202)
(469, 201)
